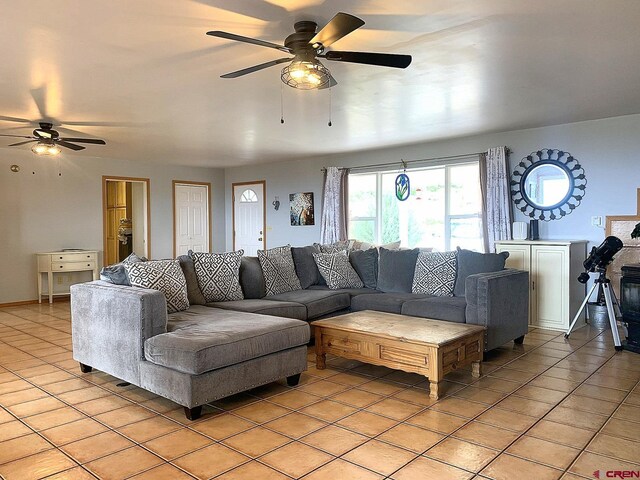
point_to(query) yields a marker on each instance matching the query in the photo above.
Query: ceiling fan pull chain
(281, 104)
(329, 107)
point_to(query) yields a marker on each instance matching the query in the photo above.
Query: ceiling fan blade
(95, 141)
(381, 59)
(39, 96)
(255, 68)
(340, 25)
(71, 146)
(254, 41)
(14, 119)
(21, 143)
(16, 136)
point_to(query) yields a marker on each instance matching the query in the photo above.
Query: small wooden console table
(65, 261)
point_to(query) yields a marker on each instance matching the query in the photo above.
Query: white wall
(42, 211)
(608, 149)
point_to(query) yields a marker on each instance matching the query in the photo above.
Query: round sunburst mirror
(548, 184)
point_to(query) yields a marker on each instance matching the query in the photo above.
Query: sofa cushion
(163, 275)
(351, 291)
(306, 267)
(365, 263)
(435, 273)
(383, 302)
(395, 270)
(451, 309)
(252, 278)
(359, 245)
(266, 307)
(218, 275)
(337, 271)
(193, 289)
(470, 263)
(202, 339)
(318, 302)
(279, 270)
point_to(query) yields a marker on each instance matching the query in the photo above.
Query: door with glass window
(248, 217)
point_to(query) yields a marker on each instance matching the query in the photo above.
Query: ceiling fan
(306, 45)
(48, 141)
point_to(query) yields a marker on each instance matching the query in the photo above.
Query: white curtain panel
(494, 179)
(333, 227)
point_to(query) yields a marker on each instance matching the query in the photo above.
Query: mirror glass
(126, 221)
(546, 185)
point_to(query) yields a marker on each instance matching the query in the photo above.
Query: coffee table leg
(321, 357)
(476, 369)
(433, 390)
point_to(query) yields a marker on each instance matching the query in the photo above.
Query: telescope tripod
(610, 301)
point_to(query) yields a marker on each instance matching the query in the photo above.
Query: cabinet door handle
(533, 285)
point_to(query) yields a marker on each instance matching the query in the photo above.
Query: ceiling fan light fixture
(305, 74)
(46, 148)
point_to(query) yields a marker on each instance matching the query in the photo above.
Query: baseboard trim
(34, 302)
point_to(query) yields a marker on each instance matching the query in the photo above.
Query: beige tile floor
(548, 409)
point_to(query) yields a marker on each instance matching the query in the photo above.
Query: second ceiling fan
(306, 45)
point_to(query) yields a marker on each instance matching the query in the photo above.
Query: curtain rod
(407, 162)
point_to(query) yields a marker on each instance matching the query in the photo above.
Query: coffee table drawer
(406, 357)
(343, 344)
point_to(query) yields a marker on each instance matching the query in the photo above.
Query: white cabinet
(65, 261)
(553, 265)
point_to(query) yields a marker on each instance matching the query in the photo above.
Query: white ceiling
(146, 69)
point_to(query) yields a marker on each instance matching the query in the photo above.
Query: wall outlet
(596, 221)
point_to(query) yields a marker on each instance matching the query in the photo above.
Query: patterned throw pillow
(163, 275)
(218, 275)
(334, 247)
(337, 271)
(435, 273)
(279, 270)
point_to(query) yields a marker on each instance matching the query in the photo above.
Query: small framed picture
(301, 212)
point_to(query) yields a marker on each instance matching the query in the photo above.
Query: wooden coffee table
(429, 347)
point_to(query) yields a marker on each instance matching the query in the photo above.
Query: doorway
(249, 217)
(126, 218)
(191, 217)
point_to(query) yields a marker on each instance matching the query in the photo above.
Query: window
(443, 210)
(248, 196)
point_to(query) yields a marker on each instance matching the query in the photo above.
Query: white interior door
(248, 218)
(192, 218)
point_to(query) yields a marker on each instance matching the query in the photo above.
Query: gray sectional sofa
(213, 350)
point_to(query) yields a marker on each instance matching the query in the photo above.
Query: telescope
(600, 257)
(597, 261)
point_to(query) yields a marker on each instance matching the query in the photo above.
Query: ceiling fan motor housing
(298, 42)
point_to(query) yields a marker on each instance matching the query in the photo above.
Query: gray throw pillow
(365, 263)
(163, 275)
(470, 263)
(252, 278)
(193, 289)
(337, 271)
(396, 269)
(218, 275)
(305, 265)
(279, 270)
(115, 274)
(435, 273)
